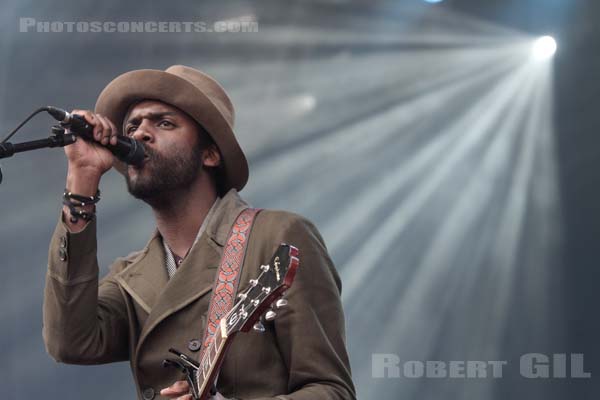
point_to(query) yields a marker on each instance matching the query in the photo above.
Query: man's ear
(211, 156)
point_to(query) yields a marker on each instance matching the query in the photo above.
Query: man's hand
(89, 158)
(87, 162)
(179, 391)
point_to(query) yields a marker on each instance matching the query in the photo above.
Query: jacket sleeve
(311, 332)
(85, 322)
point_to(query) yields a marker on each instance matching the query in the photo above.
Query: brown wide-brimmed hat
(191, 91)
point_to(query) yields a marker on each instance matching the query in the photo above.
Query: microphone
(128, 150)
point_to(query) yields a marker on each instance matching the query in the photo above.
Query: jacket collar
(146, 279)
(230, 207)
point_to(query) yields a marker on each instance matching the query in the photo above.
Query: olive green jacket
(135, 313)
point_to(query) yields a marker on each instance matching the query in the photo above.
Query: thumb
(176, 389)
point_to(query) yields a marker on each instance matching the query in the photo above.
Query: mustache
(150, 156)
(153, 155)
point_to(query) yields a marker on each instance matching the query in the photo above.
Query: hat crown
(210, 87)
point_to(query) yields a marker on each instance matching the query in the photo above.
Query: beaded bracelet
(72, 201)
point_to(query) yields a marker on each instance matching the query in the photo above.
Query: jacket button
(62, 255)
(148, 393)
(63, 242)
(194, 345)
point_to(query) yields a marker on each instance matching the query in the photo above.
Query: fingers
(179, 388)
(91, 119)
(113, 132)
(107, 130)
(104, 130)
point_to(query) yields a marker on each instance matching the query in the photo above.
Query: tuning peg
(281, 303)
(270, 315)
(259, 327)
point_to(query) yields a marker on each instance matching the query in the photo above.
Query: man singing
(158, 298)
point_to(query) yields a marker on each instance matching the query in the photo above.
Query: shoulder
(135, 255)
(121, 263)
(279, 221)
(273, 227)
(132, 257)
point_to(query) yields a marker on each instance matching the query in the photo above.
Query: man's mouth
(141, 165)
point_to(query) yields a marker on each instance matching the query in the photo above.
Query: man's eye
(165, 123)
(130, 129)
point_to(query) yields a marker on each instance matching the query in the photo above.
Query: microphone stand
(58, 138)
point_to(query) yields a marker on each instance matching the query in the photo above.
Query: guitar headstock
(274, 279)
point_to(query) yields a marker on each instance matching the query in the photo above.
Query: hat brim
(131, 87)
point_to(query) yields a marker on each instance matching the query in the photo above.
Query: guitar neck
(274, 278)
(212, 359)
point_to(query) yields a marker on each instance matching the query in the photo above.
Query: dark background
(323, 48)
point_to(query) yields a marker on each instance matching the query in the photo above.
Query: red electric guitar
(267, 288)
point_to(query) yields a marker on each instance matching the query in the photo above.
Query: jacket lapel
(195, 276)
(146, 277)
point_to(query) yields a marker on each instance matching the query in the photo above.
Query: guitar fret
(214, 348)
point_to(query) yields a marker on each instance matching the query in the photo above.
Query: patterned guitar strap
(228, 275)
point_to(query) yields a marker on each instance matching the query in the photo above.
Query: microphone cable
(33, 114)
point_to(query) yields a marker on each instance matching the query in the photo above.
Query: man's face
(173, 151)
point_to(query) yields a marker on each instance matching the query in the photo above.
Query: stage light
(543, 48)
(433, 1)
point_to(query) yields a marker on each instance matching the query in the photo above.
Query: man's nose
(143, 132)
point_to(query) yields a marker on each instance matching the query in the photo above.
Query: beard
(162, 175)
